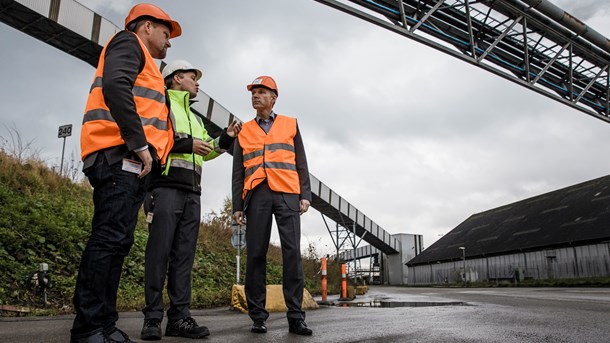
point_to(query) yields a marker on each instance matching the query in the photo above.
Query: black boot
(259, 327)
(186, 327)
(151, 331)
(298, 326)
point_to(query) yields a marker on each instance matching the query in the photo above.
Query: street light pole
(463, 262)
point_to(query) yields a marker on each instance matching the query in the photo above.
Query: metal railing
(530, 42)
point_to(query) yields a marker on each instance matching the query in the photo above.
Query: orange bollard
(343, 282)
(324, 282)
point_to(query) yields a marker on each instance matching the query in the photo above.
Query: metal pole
(61, 166)
(464, 262)
(237, 276)
(239, 241)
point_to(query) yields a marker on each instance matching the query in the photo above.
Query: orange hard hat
(264, 81)
(149, 10)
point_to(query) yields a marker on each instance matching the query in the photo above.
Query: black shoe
(299, 327)
(151, 331)
(118, 336)
(259, 327)
(186, 327)
(97, 337)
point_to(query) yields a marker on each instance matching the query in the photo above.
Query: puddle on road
(400, 304)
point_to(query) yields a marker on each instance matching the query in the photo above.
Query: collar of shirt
(260, 120)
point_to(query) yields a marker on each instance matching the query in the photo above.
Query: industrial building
(383, 268)
(557, 235)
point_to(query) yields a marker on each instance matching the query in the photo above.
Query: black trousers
(170, 250)
(263, 204)
(117, 197)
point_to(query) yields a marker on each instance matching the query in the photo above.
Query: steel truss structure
(530, 42)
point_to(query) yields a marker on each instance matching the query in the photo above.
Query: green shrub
(47, 218)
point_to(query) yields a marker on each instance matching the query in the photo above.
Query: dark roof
(574, 215)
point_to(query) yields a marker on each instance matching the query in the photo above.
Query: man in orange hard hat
(270, 178)
(125, 133)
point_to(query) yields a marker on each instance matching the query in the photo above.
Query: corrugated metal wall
(563, 263)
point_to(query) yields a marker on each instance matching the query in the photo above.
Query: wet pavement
(506, 315)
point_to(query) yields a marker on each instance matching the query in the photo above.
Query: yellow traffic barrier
(361, 290)
(350, 293)
(275, 299)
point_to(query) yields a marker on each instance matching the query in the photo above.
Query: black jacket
(181, 178)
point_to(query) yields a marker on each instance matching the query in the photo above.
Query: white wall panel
(76, 17)
(40, 6)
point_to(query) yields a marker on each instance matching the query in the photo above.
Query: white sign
(64, 131)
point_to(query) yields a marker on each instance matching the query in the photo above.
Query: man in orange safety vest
(270, 178)
(125, 133)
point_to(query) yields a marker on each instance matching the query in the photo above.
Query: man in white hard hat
(173, 207)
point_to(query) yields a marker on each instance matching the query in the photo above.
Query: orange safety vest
(100, 131)
(270, 155)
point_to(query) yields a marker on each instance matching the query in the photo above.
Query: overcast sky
(414, 138)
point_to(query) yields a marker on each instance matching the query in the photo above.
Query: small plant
(16, 147)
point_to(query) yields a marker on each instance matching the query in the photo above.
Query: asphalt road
(506, 315)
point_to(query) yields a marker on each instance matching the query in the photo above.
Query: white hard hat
(177, 65)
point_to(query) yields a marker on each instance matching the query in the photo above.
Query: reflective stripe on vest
(270, 155)
(186, 124)
(176, 163)
(101, 114)
(100, 130)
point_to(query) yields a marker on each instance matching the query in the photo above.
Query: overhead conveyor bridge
(66, 25)
(80, 32)
(530, 42)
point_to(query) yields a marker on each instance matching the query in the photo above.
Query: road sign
(238, 240)
(64, 131)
